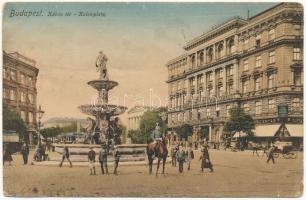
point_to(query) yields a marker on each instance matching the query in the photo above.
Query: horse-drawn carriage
(285, 149)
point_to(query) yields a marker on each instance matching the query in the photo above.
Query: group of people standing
(104, 152)
(181, 155)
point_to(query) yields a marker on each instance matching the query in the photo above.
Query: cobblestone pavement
(237, 174)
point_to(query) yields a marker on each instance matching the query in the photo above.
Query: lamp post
(40, 113)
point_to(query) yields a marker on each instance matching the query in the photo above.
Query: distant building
(255, 64)
(19, 88)
(62, 122)
(134, 116)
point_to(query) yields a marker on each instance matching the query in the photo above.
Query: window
(245, 86)
(297, 77)
(246, 107)
(210, 54)
(219, 92)
(209, 77)
(201, 58)
(13, 75)
(271, 104)
(193, 61)
(296, 102)
(220, 51)
(231, 46)
(208, 112)
(12, 95)
(257, 83)
(228, 108)
(230, 70)
(6, 73)
(296, 53)
(245, 43)
(22, 78)
(270, 81)
(258, 61)
(257, 40)
(31, 117)
(271, 57)
(257, 107)
(6, 93)
(22, 97)
(31, 98)
(30, 81)
(272, 34)
(23, 115)
(230, 88)
(246, 65)
(297, 27)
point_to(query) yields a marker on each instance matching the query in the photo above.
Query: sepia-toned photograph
(152, 99)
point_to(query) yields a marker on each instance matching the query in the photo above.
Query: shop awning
(295, 130)
(266, 130)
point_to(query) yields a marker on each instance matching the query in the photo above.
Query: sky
(138, 38)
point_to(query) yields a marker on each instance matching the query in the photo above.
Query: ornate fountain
(104, 127)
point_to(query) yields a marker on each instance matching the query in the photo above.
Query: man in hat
(270, 154)
(180, 156)
(103, 157)
(65, 155)
(91, 160)
(116, 160)
(25, 153)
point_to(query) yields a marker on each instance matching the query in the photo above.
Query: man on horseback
(157, 138)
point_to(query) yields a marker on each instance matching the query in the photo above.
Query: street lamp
(40, 113)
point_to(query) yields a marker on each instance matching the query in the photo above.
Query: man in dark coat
(65, 155)
(206, 163)
(25, 153)
(103, 158)
(91, 160)
(270, 154)
(116, 160)
(180, 156)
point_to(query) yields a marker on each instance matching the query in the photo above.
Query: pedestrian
(116, 160)
(7, 155)
(174, 149)
(66, 155)
(91, 160)
(190, 156)
(180, 156)
(270, 154)
(255, 149)
(206, 163)
(103, 158)
(25, 153)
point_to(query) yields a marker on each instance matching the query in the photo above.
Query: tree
(204, 132)
(184, 131)
(13, 122)
(239, 121)
(70, 128)
(51, 132)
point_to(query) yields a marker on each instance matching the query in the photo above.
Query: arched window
(193, 61)
(231, 46)
(210, 54)
(220, 51)
(201, 58)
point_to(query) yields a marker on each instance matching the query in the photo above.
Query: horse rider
(156, 136)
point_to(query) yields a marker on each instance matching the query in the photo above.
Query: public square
(236, 174)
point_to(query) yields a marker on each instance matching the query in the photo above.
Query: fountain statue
(105, 127)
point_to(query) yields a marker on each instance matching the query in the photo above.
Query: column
(224, 80)
(224, 46)
(236, 77)
(214, 52)
(214, 82)
(210, 133)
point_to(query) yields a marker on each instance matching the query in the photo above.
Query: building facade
(134, 116)
(19, 88)
(256, 64)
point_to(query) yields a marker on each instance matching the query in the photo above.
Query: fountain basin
(103, 84)
(96, 110)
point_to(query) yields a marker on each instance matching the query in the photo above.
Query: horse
(161, 152)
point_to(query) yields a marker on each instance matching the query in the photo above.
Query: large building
(19, 87)
(134, 116)
(255, 64)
